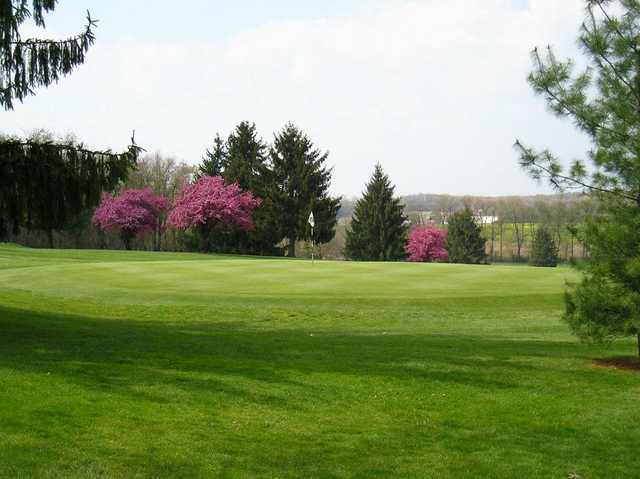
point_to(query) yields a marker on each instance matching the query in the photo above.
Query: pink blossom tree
(426, 244)
(209, 203)
(130, 213)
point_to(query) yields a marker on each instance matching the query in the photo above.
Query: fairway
(144, 365)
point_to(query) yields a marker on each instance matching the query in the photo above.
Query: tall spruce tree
(302, 184)
(247, 163)
(214, 160)
(379, 227)
(43, 183)
(247, 159)
(603, 101)
(465, 243)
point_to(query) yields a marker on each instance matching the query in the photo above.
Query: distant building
(486, 220)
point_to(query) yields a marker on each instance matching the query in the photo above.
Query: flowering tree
(426, 244)
(130, 213)
(209, 203)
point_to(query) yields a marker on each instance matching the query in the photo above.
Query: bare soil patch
(627, 363)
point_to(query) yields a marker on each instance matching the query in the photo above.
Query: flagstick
(312, 222)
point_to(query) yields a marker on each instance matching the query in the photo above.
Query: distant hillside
(448, 203)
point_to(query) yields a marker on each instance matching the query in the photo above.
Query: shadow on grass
(159, 361)
(119, 356)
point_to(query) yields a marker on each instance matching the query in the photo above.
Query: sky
(434, 90)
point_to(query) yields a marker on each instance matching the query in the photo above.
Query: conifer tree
(465, 243)
(246, 159)
(302, 184)
(603, 101)
(46, 184)
(379, 227)
(214, 161)
(247, 163)
(544, 251)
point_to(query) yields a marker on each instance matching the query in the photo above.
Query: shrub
(544, 251)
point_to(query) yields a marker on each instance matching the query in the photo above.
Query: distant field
(144, 365)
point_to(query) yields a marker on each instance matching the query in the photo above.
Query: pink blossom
(209, 201)
(426, 244)
(130, 213)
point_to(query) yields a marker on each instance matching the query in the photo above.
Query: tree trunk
(50, 237)
(204, 238)
(126, 237)
(291, 248)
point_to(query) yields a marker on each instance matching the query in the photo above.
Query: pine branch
(531, 162)
(589, 124)
(632, 44)
(606, 59)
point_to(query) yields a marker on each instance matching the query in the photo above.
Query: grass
(144, 365)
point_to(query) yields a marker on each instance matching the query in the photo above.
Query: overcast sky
(434, 90)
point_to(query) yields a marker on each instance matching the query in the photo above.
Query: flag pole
(312, 222)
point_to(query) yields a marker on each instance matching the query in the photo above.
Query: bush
(544, 251)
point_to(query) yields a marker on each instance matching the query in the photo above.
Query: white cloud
(434, 90)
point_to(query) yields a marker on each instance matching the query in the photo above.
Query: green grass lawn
(124, 364)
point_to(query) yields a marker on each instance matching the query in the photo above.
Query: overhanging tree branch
(28, 64)
(531, 162)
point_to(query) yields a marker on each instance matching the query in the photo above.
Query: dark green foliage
(246, 162)
(290, 179)
(465, 243)
(247, 159)
(214, 160)
(604, 102)
(544, 251)
(379, 227)
(302, 182)
(607, 301)
(47, 185)
(28, 64)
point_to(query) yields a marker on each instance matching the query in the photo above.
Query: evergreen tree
(544, 251)
(28, 64)
(379, 227)
(302, 184)
(465, 243)
(47, 184)
(214, 160)
(247, 163)
(247, 159)
(604, 102)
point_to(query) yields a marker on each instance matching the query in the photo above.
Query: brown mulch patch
(627, 363)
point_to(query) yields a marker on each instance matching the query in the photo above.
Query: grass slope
(175, 365)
